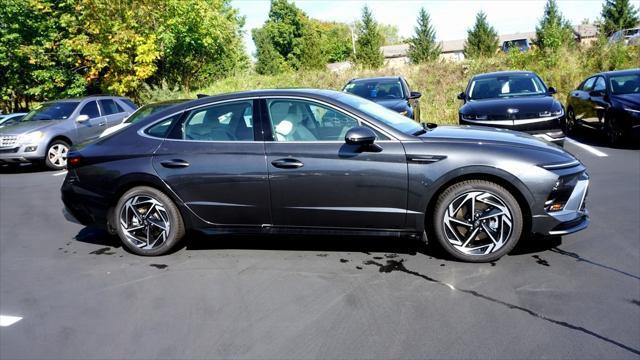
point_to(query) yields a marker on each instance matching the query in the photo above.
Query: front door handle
(287, 163)
(102, 123)
(174, 164)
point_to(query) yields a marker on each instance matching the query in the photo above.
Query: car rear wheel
(477, 221)
(56, 156)
(148, 222)
(614, 131)
(570, 122)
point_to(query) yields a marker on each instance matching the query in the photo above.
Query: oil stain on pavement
(159, 266)
(540, 260)
(103, 251)
(398, 265)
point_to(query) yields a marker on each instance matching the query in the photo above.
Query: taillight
(73, 161)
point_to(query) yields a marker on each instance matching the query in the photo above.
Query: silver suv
(48, 131)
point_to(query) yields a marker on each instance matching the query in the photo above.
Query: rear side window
(91, 110)
(129, 102)
(110, 107)
(162, 128)
(223, 122)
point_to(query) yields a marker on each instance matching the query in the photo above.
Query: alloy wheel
(145, 222)
(614, 132)
(570, 121)
(57, 155)
(477, 223)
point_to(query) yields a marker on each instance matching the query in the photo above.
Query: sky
(451, 18)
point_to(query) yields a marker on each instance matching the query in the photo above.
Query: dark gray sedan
(319, 161)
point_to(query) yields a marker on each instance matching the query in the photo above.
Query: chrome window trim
(142, 130)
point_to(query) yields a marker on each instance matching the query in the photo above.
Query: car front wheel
(56, 156)
(148, 222)
(477, 221)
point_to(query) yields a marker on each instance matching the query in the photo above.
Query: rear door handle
(174, 164)
(287, 163)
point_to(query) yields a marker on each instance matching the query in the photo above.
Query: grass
(440, 81)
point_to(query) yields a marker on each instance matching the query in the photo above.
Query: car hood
(527, 107)
(486, 135)
(27, 126)
(393, 104)
(628, 100)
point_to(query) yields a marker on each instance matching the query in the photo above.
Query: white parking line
(60, 173)
(590, 149)
(6, 320)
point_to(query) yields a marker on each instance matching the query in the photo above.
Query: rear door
(319, 181)
(112, 111)
(214, 160)
(96, 123)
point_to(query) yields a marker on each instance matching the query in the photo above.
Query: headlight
(31, 138)
(551, 113)
(474, 117)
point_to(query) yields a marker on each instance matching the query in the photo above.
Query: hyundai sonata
(320, 161)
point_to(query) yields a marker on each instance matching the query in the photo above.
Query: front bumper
(572, 218)
(547, 128)
(19, 154)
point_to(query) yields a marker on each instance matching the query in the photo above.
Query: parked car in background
(47, 132)
(608, 102)
(249, 162)
(10, 118)
(515, 100)
(521, 45)
(140, 114)
(626, 36)
(392, 92)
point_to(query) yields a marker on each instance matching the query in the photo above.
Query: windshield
(625, 84)
(504, 86)
(376, 89)
(147, 110)
(52, 111)
(382, 114)
(517, 44)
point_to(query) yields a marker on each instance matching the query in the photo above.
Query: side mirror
(461, 96)
(82, 118)
(551, 90)
(415, 95)
(360, 136)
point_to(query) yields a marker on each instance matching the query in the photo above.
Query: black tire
(458, 191)
(570, 125)
(176, 225)
(615, 132)
(55, 163)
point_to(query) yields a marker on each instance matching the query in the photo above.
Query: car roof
(619, 72)
(498, 73)
(377, 78)
(90, 97)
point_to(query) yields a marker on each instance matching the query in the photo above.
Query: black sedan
(516, 100)
(608, 102)
(320, 161)
(392, 92)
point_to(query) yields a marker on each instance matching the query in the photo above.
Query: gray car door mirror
(82, 118)
(461, 96)
(360, 136)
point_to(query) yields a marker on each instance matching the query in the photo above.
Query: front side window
(299, 120)
(223, 122)
(110, 107)
(600, 85)
(91, 110)
(52, 111)
(504, 86)
(588, 85)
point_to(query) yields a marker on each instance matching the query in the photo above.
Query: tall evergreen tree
(423, 46)
(618, 15)
(482, 39)
(369, 41)
(554, 30)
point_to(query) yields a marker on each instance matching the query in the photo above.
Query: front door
(92, 127)
(317, 180)
(596, 105)
(212, 162)
(113, 113)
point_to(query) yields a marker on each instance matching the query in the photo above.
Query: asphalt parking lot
(79, 294)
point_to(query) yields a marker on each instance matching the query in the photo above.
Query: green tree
(369, 41)
(553, 30)
(336, 40)
(482, 39)
(618, 15)
(423, 46)
(268, 59)
(390, 34)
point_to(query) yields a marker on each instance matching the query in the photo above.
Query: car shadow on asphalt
(22, 169)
